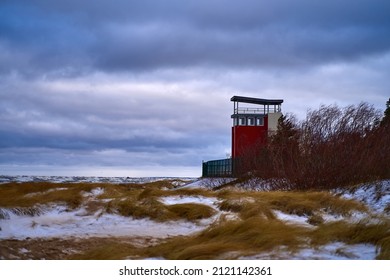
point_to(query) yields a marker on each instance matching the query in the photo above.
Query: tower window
(259, 121)
(251, 121)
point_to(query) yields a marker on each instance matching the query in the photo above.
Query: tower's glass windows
(259, 121)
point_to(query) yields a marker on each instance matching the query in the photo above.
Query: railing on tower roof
(268, 105)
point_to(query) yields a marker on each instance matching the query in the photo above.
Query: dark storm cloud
(34, 42)
(253, 34)
(274, 46)
(67, 36)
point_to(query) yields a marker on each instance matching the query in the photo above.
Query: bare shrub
(332, 147)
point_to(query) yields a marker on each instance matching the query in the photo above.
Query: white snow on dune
(58, 222)
(93, 193)
(374, 195)
(330, 251)
(208, 183)
(209, 201)
(292, 219)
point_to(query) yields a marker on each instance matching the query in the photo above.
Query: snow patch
(57, 222)
(330, 251)
(209, 183)
(209, 201)
(24, 251)
(44, 192)
(292, 219)
(94, 193)
(374, 195)
(339, 251)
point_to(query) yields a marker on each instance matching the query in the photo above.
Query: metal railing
(263, 110)
(250, 111)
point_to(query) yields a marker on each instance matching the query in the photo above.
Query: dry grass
(142, 201)
(307, 204)
(109, 250)
(193, 192)
(120, 191)
(247, 208)
(32, 194)
(315, 220)
(139, 209)
(94, 248)
(136, 200)
(384, 249)
(155, 210)
(247, 237)
(191, 211)
(254, 235)
(364, 231)
(352, 233)
(255, 230)
(235, 206)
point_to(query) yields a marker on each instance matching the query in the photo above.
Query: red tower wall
(246, 138)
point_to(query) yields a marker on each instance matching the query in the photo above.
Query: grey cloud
(36, 116)
(223, 14)
(172, 46)
(72, 37)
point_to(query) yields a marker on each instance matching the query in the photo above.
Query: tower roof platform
(258, 101)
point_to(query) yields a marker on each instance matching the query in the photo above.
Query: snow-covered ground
(292, 219)
(375, 195)
(56, 221)
(331, 251)
(208, 182)
(210, 201)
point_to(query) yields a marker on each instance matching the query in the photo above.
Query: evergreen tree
(386, 117)
(287, 130)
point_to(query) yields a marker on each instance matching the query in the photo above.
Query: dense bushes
(332, 147)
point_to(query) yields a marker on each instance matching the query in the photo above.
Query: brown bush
(332, 147)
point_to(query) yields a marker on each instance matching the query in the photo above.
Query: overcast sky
(143, 87)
